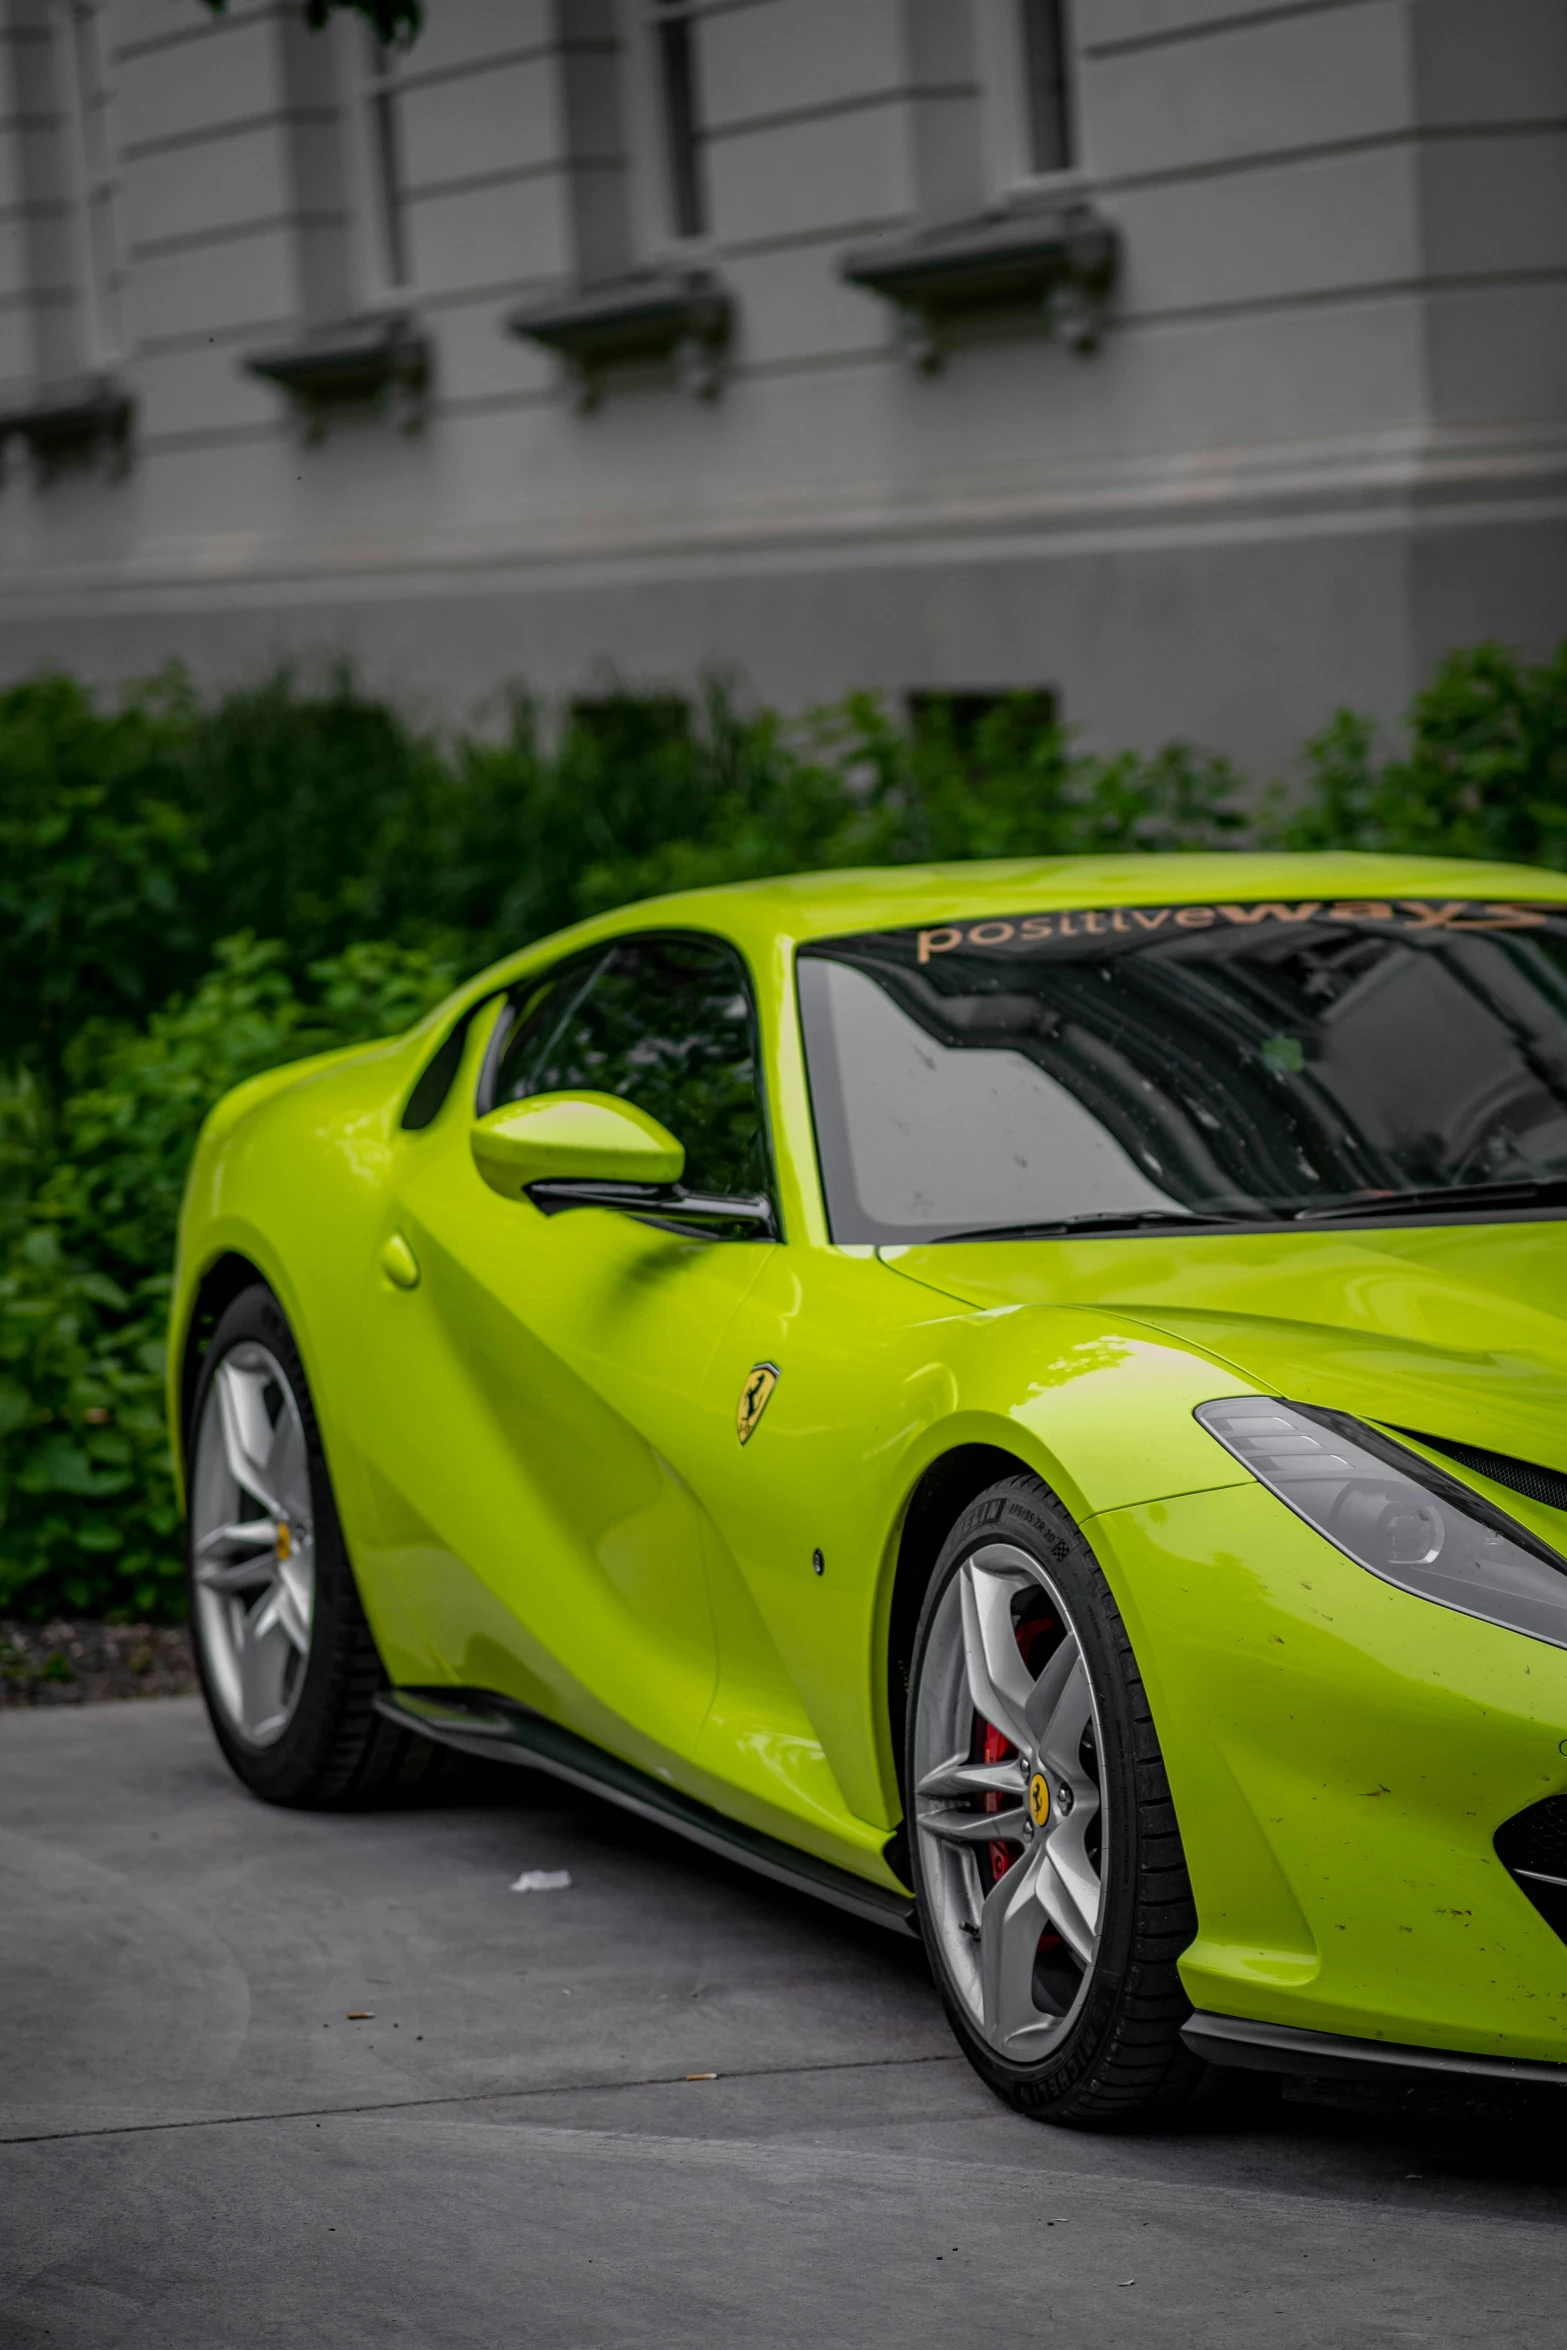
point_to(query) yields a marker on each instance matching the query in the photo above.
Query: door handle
(399, 1263)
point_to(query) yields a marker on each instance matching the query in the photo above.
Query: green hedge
(191, 891)
(94, 1191)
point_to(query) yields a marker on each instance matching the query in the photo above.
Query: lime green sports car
(1029, 1399)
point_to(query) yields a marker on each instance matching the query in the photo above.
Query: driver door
(535, 1399)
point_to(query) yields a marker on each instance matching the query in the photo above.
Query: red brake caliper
(997, 1749)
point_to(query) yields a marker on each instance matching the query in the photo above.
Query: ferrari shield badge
(760, 1381)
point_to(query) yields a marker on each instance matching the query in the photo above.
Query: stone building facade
(1203, 362)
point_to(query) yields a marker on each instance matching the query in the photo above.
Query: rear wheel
(287, 1663)
(1052, 1888)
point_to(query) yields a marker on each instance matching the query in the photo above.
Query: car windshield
(1133, 1065)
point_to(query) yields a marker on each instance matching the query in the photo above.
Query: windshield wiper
(1117, 1220)
(1438, 1198)
(1472, 1198)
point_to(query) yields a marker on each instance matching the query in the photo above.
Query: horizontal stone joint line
(829, 109)
(208, 29)
(1176, 36)
(1345, 297)
(813, 2163)
(242, 126)
(236, 232)
(504, 175)
(433, 77)
(321, 2113)
(801, 240)
(1397, 137)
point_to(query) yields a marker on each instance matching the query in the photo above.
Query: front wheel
(287, 1663)
(1052, 1888)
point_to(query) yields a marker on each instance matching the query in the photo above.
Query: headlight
(1393, 1513)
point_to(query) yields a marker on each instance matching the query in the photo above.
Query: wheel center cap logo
(283, 1542)
(1038, 1799)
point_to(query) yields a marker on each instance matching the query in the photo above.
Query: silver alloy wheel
(253, 1543)
(1011, 1847)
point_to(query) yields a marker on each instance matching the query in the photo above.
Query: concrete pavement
(198, 2147)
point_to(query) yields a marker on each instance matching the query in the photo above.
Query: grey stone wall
(1323, 435)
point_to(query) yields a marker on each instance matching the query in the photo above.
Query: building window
(381, 172)
(1048, 127)
(91, 177)
(685, 162)
(64, 331)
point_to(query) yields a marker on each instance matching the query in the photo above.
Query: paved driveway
(199, 2147)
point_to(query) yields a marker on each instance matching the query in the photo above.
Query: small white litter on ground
(543, 1881)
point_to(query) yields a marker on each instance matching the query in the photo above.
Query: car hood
(1456, 1331)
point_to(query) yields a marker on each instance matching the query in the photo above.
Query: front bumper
(1341, 1757)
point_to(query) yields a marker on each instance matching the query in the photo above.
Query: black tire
(1121, 2060)
(336, 1749)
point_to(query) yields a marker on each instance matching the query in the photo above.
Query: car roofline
(797, 909)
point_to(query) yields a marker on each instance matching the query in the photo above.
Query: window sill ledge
(72, 421)
(1060, 258)
(382, 361)
(679, 315)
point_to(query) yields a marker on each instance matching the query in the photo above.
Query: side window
(530, 1026)
(667, 1023)
(427, 1099)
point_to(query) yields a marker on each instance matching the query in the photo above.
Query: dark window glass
(1245, 1061)
(532, 1019)
(387, 164)
(1047, 85)
(667, 1023)
(682, 118)
(439, 1074)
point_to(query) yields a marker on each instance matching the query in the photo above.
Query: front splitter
(1285, 2048)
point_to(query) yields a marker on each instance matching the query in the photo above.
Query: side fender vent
(1532, 1847)
(1526, 1477)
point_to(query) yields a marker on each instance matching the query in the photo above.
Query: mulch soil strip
(73, 1663)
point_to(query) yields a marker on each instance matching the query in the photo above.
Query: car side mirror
(572, 1138)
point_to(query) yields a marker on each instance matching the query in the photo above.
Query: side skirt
(1283, 2048)
(475, 1721)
